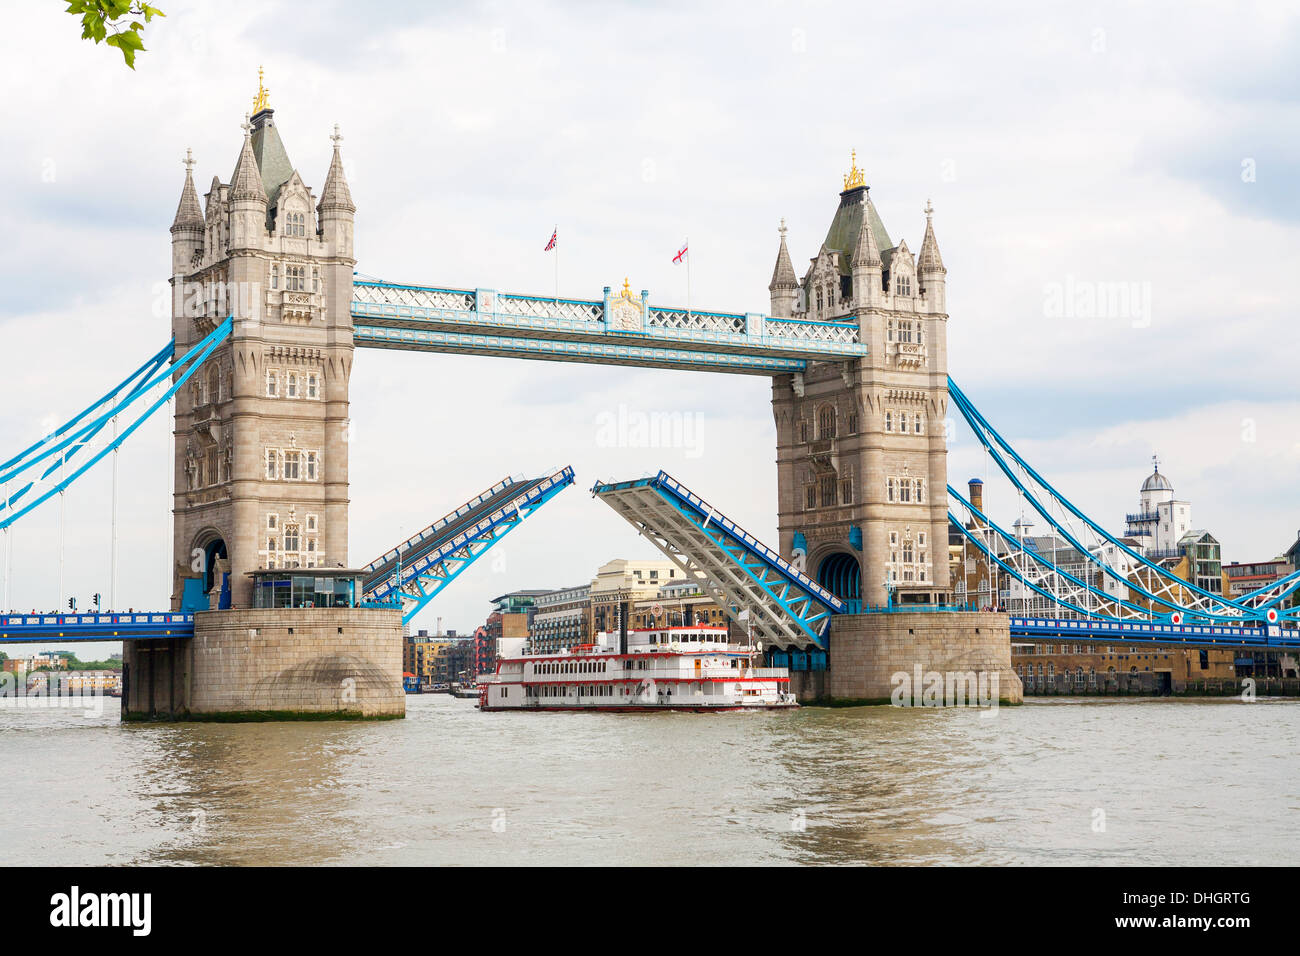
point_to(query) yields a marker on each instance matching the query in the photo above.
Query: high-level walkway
(620, 329)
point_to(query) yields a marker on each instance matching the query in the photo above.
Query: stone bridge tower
(861, 449)
(261, 453)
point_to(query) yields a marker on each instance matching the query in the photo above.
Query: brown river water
(1120, 781)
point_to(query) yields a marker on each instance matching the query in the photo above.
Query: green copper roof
(842, 237)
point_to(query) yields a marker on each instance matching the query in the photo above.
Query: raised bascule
(267, 617)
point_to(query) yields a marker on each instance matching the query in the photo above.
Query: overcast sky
(1064, 148)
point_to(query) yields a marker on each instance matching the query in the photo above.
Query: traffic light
(72, 604)
(96, 600)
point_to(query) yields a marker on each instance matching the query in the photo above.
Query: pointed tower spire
(189, 214)
(188, 226)
(930, 261)
(867, 252)
(784, 286)
(246, 183)
(335, 195)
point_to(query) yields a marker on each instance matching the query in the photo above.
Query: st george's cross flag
(681, 254)
(551, 245)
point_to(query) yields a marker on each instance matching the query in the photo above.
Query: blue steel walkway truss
(620, 329)
(417, 570)
(786, 607)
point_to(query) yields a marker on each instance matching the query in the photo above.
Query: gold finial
(260, 101)
(627, 288)
(855, 177)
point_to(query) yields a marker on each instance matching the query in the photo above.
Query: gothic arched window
(826, 422)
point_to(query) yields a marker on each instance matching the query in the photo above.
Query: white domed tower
(1160, 520)
(1157, 489)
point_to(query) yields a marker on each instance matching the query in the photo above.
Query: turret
(866, 266)
(336, 211)
(187, 227)
(248, 200)
(784, 287)
(929, 267)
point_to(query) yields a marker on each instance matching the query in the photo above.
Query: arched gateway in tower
(861, 450)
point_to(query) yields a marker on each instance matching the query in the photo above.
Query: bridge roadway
(141, 625)
(1154, 632)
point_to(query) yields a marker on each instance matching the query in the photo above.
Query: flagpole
(556, 232)
(688, 275)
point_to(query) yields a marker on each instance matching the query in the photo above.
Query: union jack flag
(681, 254)
(551, 245)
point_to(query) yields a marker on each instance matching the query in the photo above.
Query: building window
(312, 387)
(828, 490)
(311, 465)
(291, 385)
(315, 280)
(918, 424)
(275, 276)
(295, 278)
(826, 422)
(272, 383)
(270, 522)
(903, 285)
(810, 496)
(311, 522)
(891, 493)
(272, 464)
(803, 432)
(902, 422)
(291, 465)
(889, 420)
(853, 423)
(846, 490)
(291, 538)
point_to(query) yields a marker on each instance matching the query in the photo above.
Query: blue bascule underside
(417, 570)
(785, 607)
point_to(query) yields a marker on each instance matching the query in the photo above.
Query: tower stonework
(861, 446)
(261, 453)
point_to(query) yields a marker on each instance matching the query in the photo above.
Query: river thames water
(1121, 781)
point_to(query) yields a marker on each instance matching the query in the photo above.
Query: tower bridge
(856, 586)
